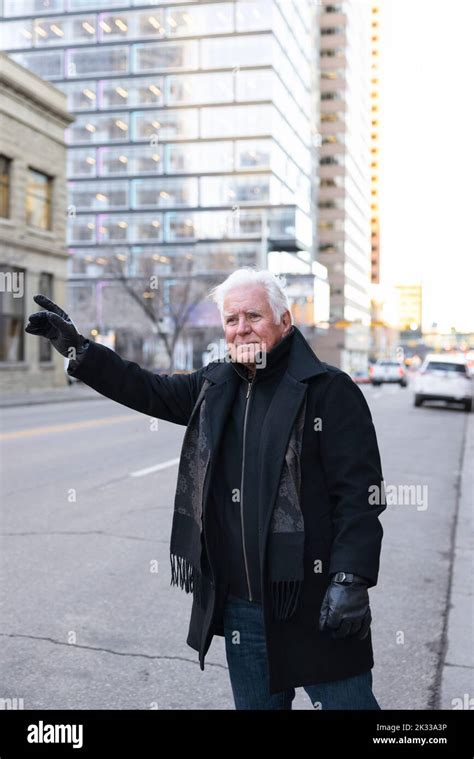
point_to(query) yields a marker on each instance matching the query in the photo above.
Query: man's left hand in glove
(345, 609)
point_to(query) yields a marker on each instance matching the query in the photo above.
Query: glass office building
(193, 130)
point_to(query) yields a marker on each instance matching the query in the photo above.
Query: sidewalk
(75, 392)
(457, 673)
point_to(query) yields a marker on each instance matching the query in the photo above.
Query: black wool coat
(340, 462)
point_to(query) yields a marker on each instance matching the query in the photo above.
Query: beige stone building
(33, 218)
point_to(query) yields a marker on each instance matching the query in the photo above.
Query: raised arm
(169, 397)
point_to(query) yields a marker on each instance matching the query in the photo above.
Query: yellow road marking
(65, 427)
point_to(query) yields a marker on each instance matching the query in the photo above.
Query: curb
(457, 674)
(61, 395)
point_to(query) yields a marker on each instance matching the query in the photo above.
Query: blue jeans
(247, 659)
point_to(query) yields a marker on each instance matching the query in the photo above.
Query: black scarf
(285, 547)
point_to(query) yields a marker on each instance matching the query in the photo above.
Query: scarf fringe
(184, 575)
(285, 594)
(285, 598)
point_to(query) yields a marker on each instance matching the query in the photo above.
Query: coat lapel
(275, 436)
(303, 364)
(219, 399)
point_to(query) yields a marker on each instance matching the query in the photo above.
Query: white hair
(248, 275)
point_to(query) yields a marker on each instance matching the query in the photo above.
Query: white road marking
(156, 468)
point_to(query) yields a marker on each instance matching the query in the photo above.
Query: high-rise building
(193, 133)
(344, 197)
(374, 144)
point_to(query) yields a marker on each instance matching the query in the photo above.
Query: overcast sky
(426, 157)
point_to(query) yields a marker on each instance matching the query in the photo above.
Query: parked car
(388, 370)
(444, 378)
(360, 376)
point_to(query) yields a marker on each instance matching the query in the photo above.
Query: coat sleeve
(169, 397)
(351, 461)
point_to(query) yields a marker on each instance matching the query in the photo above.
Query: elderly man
(273, 530)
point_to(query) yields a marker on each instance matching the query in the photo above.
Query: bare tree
(172, 296)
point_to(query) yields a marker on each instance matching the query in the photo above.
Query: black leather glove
(345, 608)
(56, 325)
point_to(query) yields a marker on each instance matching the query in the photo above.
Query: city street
(89, 620)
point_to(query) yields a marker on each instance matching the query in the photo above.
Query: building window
(97, 61)
(45, 287)
(12, 313)
(27, 7)
(99, 196)
(4, 186)
(46, 64)
(38, 200)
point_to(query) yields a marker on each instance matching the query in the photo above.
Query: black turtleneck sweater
(235, 512)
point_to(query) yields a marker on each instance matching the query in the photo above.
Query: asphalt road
(88, 617)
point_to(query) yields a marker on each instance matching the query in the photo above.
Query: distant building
(33, 255)
(410, 309)
(384, 334)
(345, 184)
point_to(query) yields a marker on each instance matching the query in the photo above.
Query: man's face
(249, 324)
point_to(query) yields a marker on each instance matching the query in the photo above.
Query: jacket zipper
(242, 493)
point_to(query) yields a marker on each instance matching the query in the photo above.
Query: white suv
(388, 370)
(444, 377)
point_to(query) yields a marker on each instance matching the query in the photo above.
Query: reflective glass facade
(193, 125)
